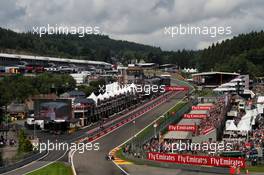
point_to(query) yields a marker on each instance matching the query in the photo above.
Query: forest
(243, 53)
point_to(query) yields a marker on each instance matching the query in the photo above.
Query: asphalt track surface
(94, 163)
(62, 155)
(133, 169)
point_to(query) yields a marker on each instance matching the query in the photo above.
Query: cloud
(10, 12)
(138, 20)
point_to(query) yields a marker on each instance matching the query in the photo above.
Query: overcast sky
(142, 21)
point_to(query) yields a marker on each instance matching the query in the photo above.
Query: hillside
(243, 53)
(90, 47)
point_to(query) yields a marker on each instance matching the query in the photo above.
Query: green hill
(243, 53)
(90, 47)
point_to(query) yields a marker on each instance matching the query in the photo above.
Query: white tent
(126, 89)
(93, 97)
(123, 91)
(247, 120)
(244, 127)
(100, 97)
(230, 125)
(132, 88)
(119, 91)
(112, 90)
(260, 104)
(116, 92)
(111, 87)
(111, 94)
(105, 95)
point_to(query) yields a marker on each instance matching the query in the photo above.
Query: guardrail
(218, 170)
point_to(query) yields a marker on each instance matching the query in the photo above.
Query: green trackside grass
(120, 155)
(57, 168)
(149, 129)
(135, 161)
(259, 168)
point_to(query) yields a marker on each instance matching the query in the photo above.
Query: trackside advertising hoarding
(191, 128)
(201, 107)
(194, 116)
(176, 88)
(197, 160)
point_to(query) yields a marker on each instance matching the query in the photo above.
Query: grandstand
(213, 79)
(15, 59)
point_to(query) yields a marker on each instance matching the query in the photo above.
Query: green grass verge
(176, 108)
(259, 168)
(146, 132)
(149, 129)
(136, 161)
(57, 168)
(120, 155)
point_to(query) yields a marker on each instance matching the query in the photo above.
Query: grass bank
(57, 168)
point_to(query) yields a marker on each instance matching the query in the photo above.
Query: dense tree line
(24, 144)
(243, 53)
(19, 88)
(91, 47)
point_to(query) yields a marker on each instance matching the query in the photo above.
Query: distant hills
(92, 47)
(243, 53)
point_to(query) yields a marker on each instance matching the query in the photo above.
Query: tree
(129, 57)
(87, 89)
(24, 145)
(103, 48)
(19, 88)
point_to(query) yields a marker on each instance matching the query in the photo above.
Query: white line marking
(140, 132)
(116, 129)
(74, 151)
(47, 164)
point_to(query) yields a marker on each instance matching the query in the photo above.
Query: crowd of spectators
(259, 89)
(165, 146)
(8, 135)
(251, 144)
(9, 142)
(214, 119)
